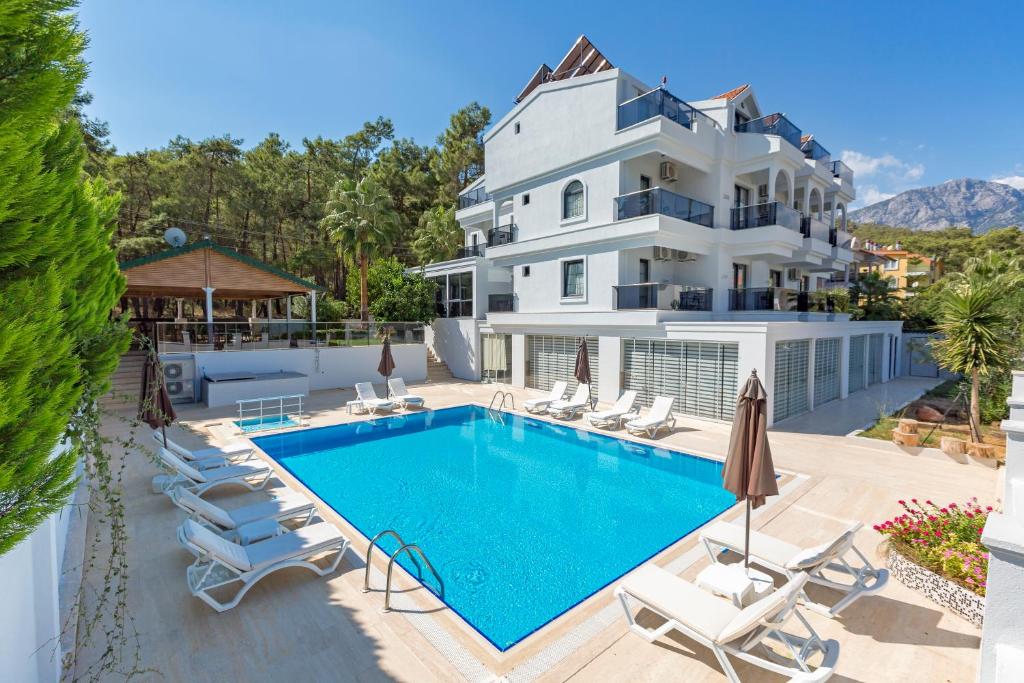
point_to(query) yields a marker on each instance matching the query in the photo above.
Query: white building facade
(688, 242)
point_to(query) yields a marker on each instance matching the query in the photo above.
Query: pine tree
(58, 276)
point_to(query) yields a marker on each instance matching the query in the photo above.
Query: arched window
(572, 200)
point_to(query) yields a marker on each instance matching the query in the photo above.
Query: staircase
(125, 383)
(437, 369)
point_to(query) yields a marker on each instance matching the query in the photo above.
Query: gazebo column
(270, 320)
(288, 317)
(209, 313)
(181, 314)
(312, 312)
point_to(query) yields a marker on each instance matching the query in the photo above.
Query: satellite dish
(175, 237)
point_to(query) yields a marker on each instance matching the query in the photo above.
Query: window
(739, 276)
(526, 199)
(572, 200)
(515, 127)
(741, 118)
(892, 264)
(526, 271)
(460, 295)
(742, 195)
(573, 278)
(645, 182)
(775, 277)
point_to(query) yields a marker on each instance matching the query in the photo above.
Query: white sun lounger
(615, 415)
(568, 409)
(400, 394)
(788, 559)
(660, 415)
(236, 450)
(284, 504)
(369, 398)
(718, 624)
(539, 405)
(222, 562)
(253, 476)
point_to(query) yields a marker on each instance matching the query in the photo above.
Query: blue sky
(910, 94)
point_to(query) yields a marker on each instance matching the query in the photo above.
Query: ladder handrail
(408, 548)
(504, 395)
(373, 542)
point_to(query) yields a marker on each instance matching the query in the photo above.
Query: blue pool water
(523, 520)
(259, 424)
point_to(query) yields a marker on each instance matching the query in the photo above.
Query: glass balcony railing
(768, 299)
(503, 234)
(471, 250)
(761, 215)
(474, 197)
(812, 149)
(659, 102)
(659, 200)
(662, 296)
(842, 171)
(500, 303)
(812, 227)
(773, 124)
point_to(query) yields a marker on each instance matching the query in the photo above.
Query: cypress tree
(59, 277)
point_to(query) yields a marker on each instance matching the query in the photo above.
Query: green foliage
(58, 276)
(953, 245)
(460, 160)
(328, 309)
(438, 235)
(399, 296)
(875, 300)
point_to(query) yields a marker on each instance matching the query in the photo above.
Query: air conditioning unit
(793, 274)
(668, 171)
(669, 254)
(179, 377)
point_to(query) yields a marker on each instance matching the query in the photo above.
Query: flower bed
(946, 540)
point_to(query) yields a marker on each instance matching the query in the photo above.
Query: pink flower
(914, 501)
(988, 508)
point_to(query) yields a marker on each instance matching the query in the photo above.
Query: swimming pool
(259, 424)
(523, 519)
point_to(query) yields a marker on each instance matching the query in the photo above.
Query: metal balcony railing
(812, 149)
(503, 234)
(473, 197)
(470, 250)
(761, 215)
(659, 200)
(768, 299)
(773, 124)
(842, 171)
(501, 303)
(662, 296)
(658, 102)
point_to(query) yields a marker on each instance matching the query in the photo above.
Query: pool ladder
(408, 549)
(496, 412)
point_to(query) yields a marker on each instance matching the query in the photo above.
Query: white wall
(339, 367)
(456, 341)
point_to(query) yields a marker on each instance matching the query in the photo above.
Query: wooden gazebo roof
(185, 271)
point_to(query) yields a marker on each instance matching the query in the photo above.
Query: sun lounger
(788, 559)
(660, 415)
(613, 416)
(728, 630)
(369, 398)
(284, 504)
(540, 405)
(221, 562)
(235, 451)
(253, 476)
(401, 394)
(568, 409)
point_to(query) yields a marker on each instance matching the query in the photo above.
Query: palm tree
(361, 218)
(873, 294)
(976, 323)
(437, 236)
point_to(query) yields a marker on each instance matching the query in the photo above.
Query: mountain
(977, 204)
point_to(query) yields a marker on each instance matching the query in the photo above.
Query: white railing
(270, 412)
(257, 335)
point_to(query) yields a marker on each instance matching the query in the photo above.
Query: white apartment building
(688, 241)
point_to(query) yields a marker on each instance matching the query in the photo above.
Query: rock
(928, 414)
(950, 445)
(978, 204)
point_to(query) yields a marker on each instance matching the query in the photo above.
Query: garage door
(857, 345)
(701, 375)
(552, 358)
(826, 370)
(875, 342)
(791, 365)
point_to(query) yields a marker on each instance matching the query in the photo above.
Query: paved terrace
(294, 626)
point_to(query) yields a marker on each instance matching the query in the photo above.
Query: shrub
(946, 540)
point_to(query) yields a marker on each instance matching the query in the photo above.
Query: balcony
(833, 237)
(659, 200)
(812, 227)
(501, 303)
(503, 234)
(662, 296)
(658, 102)
(773, 124)
(812, 149)
(842, 171)
(474, 197)
(768, 299)
(762, 215)
(470, 251)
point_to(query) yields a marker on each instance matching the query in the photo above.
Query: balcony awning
(186, 271)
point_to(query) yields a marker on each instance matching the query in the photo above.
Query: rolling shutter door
(857, 344)
(700, 375)
(552, 358)
(826, 370)
(791, 365)
(875, 358)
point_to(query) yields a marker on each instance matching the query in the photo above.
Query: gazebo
(207, 271)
